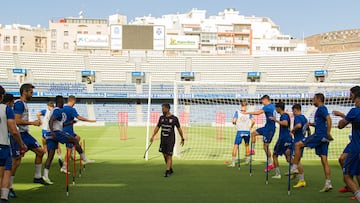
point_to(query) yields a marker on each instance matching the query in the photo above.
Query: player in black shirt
(167, 122)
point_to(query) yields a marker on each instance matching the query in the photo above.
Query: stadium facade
(192, 33)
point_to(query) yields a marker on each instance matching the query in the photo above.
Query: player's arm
(328, 125)
(20, 121)
(343, 123)
(234, 121)
(51, 126)
(85, 119)
(156, 130)
(338, 113)
(296, 127)
(39, 114)
(181, 135)
(258, 112)
(13, 130)
(283, 123)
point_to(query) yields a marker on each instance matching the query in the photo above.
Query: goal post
(210, 107)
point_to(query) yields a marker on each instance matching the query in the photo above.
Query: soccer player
(351, 166)
(267, 131)
(56, 135)
(283, 144)
(319, 140)
(243, 124)
(46, 114)
(71, 114)
(353, 91)
(7, 125)
(22, 120)
(167, 122)
(299, 131)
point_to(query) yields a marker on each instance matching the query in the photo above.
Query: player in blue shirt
(300, 129)
(319, 140)
(55, 135)
(283, 144)
(7, 125)
(353, 91)
(22, 121)
(71, 114)
(351, 165)
(267, 131)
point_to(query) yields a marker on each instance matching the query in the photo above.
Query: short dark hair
(7, 98)
(2, 90)
(265, 97)
(297, 106)
(280, 105)
(166, 105)
(355, 89)
(320, 96)
(50, 103)
(59, 98)
(243, 103)
(26, 87)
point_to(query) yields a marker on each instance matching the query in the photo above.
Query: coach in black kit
(167, 122)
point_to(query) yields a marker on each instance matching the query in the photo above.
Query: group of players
(291, 142)
(15, 139)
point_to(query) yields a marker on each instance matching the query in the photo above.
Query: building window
(66, 45)
(79, 32)
(286, 49)
(86, 32)
(53, 45)
(66, 33)
(257, 48)
(98, 33)
(278, 49)
(53, 33)
(272, 48)
(15, 40)
(7, 40)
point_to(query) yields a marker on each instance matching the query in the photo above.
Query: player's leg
(297, 156)
(5, 181)
(43, 140)
(51, 153)
(322, 151)
(269, 159)
(341, 163)
(350, 169)
(247, 148)
(267, 138)
(69, 139)
(276, 160)
(3, 190)
(253, 135)
(233, 155)
(235, 148)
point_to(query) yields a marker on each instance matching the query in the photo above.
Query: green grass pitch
(120, 174)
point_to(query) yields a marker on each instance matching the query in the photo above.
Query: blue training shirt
(300, 133)
(284, 132)
(71, 114)
(354, 118)
(269, 111)
(10, 113)
(320, 121)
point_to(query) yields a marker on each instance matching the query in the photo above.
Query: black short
(167, 148)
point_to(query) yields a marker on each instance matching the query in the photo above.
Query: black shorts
(167, 147)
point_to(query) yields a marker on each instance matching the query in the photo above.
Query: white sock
(277, 171)
(12, 181)
(270, 161)
(233, 160)
(327, 182)
(4, 193)
(253, 146)
(82, 156)
(64, 165)
(59, 155)
(301, 177)
(38, 170)
(357, 195)
(46, 173)
(294, 166)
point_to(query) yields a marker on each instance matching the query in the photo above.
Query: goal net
(206, 109)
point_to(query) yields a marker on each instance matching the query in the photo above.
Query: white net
(206, 110)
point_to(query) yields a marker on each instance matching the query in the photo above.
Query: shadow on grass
(193, 181)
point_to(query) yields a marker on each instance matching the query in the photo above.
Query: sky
(297, 18)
